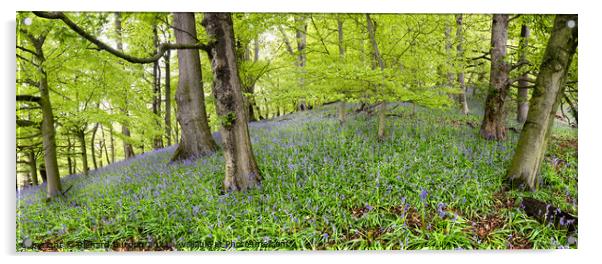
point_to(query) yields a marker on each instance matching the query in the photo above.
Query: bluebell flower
(423, 195)
(440, 210)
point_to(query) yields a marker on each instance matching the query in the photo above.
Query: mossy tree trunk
(547, 93)
(196, 137)
(241, 171)
(493, 126)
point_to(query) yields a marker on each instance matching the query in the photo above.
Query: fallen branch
(548, 214)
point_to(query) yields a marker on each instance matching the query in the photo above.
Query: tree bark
(33, 172)
(460, 61)
(545, 99)
(92, 146)
(49, 142)
(301, 56)
(167, 59)
(241, 171)
(112, 143)
(104, 145)
(128, 150)
(493, 126)
(196, 138)
(382, 109)
(158, 140)
(51, 168)
(342, 107)
(69, 162)
(81, 135)
(523, 90)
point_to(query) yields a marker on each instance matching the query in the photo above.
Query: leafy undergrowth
(432, 184)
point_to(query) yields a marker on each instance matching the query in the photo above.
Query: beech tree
(493, 126)
(241, 171)
(196, 137)
(547, 93)
(35, 48)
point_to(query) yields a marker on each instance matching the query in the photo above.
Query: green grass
(325, 186)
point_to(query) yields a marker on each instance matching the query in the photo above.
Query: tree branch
(27, 50)
(28, 98)
(27, 123)
(30, 82)
(521, 78)
(289, 48)
(484, 56)
(27, 60)
(161, 49)
(519, 64)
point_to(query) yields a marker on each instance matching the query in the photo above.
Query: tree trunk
(448, 50)
(382, 110)
(168, 97)
(51, 169)
(82, 140)
(301, 57)
(493, 126)
(251, 97)
(104, 145)
(112, 143)
(547, 93)
(241, 172)
(69, 162)
(460, 61)
(523, 90)
(33, 172)
(383, 104)
(43, 175)
(128, 150)
(196, 138)
(158, 140)
(342, 107)
(342, 112)
(92, 146)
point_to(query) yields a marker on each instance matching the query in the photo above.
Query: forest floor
(433, 183)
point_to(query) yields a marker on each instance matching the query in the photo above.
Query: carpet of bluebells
(433, 183)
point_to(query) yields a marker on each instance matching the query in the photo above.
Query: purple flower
(423, 195)
(440, 210)
(195, 210)
(325, 236)
(369, 208)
